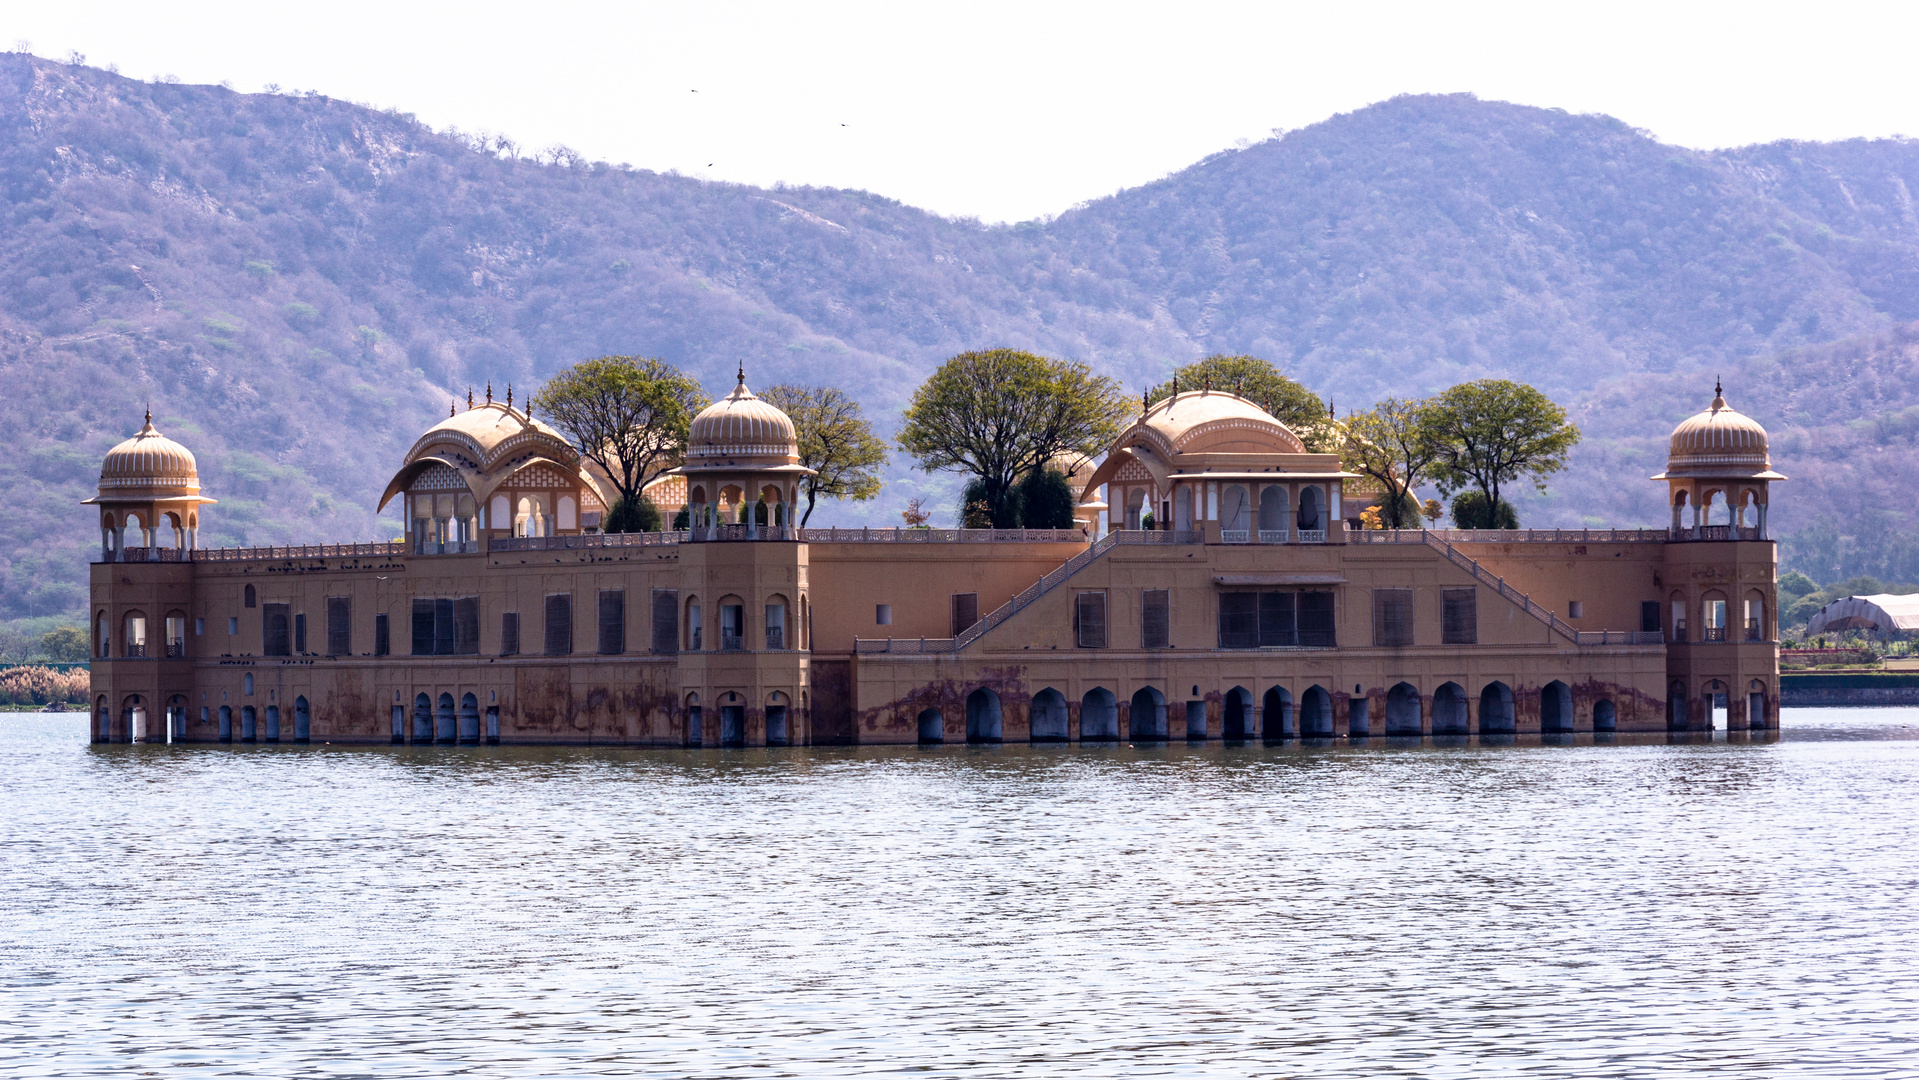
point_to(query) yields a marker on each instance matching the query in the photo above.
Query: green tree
(1470, 511)
(633, 515)
(67, 644)
(1392, 444)
(627, 414)
(1494, 431)
(1000, 414)
(1045, 500)
(1258, 381)
(834, 440)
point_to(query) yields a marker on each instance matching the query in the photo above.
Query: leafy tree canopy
(834, 440)
(999, 414)
(1494, 431)
(627, 414)
(1392, 444)
(1258, 380)
(65, 643)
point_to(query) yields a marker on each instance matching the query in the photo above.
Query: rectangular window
(199, 627)
(1392, 618)
(612, 622)
(233, 625)
(1155, 619)
(1649, 616)
(882, 614)
(776, 626)
(666, 621)
(1089, 620)
(1239, 620)
(466, 626)
(275, 629)
(1316, 620)
(339, 626)
(300, 634)
(382, 635)
(422, 627)
(965, 611)
(443, 626)
(510, 633)
(1459, 616)
(732, 627)
(1575, 609)
(559, 624)
(1278, 620)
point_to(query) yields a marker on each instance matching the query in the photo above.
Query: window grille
(510, 633)
(422, 627)
(339, 626)
(275, 638)
(466, 626)
(965, 611)
(1392, 617)
(612, 622)
(443, 626)
(1249, 620)
(1459, 616)
(382, 636)
(300, 634)
(1089, 620)
(559, 624)
(1649, 616)
(1155, 619)
(666, 621)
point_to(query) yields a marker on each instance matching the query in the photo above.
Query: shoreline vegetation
(37, 688)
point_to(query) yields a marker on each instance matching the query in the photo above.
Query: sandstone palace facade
(1255, 609)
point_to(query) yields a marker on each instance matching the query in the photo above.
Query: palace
(1254, 607)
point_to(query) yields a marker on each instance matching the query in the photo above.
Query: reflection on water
(1398, 907)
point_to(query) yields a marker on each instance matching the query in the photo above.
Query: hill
(299, 285)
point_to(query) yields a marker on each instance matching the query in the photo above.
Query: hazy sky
(1007, 111)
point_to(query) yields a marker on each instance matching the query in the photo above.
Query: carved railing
(585, 541)
(247, 554)
(1508, 536)
(942, 536)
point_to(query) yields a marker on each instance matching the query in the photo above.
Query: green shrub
(1470, 512)
(631, 517)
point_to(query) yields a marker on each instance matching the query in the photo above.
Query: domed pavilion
(1718, 466)
(147, 482)
(740, 451)
(1207, 459)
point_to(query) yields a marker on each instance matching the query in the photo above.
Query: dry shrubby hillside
(300, 285)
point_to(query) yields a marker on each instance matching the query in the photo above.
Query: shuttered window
(666, 620)
(1459, 616)
(443, 627)
(1393, 617)
(559, 624)
(1649, 616)
(1089, 620)
(1155, 619)
(965, 611)
(466, 626)
(1275, 620)
(1238, 620)
(612, 622)
(300, 634)
(1316, 620)
(275, 629)
(510, 633)
(339, 626)
(422, 627)
(1277, 625)
(382, 635)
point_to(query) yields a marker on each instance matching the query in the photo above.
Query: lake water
(1636, 909)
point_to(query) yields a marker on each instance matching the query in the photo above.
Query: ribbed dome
(149, 465)
(741, 426)
(1719, 441)
(1213, 421)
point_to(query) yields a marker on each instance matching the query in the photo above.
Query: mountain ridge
(300, 284)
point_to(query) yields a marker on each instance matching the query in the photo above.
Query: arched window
(1712, 616)
(1235, 515)
(1147, 718)
(1183, 508)
(1449, 710)
(1272, 514)
(776, 622)
(1047, 717)
(1316, 713)
(1496, 710)
(932, 726)
(1755, 613)
(1555, 707)
(777, 709)
(135, 637)
(1098, 716)
(302, 720)
(469, 719)
(1310, 519)
(444, 729)
(983, 723)
(694, 642)
(102, 636)
(1402, 710)
(1276, 720)
(252, 598)
(1678, 616)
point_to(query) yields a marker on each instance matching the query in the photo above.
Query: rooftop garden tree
(629, 415)
(1492, 432)
(835, 441)
(1000, 414)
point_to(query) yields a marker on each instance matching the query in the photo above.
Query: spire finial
(1144, 401)
(1175, 384)
(1718, 394)
(452, 406)
(1207, 385)
(149, 414)
(509, 395)
(740, 375)
(469, 397)
(489, 391)
(1330, 411)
